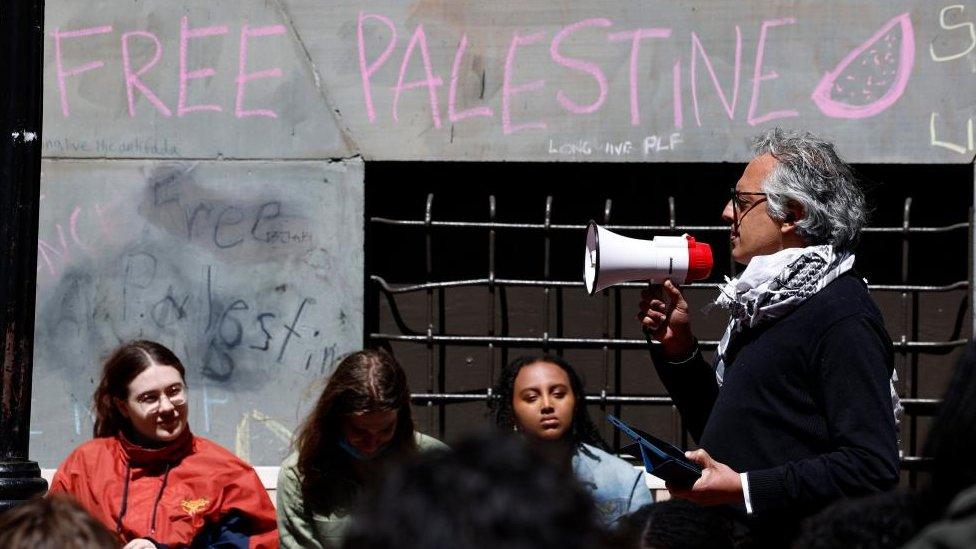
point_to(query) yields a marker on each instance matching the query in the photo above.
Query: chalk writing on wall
(256, 287)
(133, 78)
(956, 48)
(867, 81)
(502, 85)
(159, 79)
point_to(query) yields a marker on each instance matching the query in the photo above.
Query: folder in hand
(661, 459)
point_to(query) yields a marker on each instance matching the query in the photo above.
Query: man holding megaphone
(798, 408)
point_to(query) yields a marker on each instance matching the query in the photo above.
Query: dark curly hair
(583, 431)
(876, 521)
(365, 381)
(491, 490)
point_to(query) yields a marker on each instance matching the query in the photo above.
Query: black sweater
(805, 406)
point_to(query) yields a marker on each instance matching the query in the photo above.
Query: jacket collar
(140, 455)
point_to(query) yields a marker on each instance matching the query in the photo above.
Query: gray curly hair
(809, 173)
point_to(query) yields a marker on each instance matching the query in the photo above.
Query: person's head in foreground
(489, 492)
(879, 521)
(681, 524)
(54, 522)
(795, 192)
(675, 524)
(361, 419)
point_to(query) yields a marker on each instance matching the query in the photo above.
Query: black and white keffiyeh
(772, 286)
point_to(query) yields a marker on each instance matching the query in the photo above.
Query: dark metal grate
(435, 340)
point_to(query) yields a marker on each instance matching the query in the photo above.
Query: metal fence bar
(492, 209)
(611, 309)
(677, 421)
(915, 463)
(441, 358)
(386, 287)
(611, 343)
(657, 228)
(921, 406)
(428, 219)
(918, 405)
(909, 309)
(587, 342)
(905, 364)
(547, 236)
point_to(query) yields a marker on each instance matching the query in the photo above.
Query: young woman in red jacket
(148, 478)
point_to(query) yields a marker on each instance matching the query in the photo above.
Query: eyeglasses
(740, 204)
(151, 401)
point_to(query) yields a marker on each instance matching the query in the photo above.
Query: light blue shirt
(617, 487)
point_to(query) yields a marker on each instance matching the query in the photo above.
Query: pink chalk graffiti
(509, 91)
(696, 46)
(429, 81)
(243, 77)
(43, 249)
(836, 109)
(51, 257)
(635, 37)
(132, 79)
(73, 228)
(59, 69)
(366, 72)
(578, 64)
(185, 35)
(758, 76)
(452, 113)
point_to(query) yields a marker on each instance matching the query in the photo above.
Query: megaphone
(612, 259)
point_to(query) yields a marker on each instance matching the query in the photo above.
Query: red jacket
(191, 491)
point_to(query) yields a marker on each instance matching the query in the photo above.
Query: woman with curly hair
(542, 398)
(360, 424)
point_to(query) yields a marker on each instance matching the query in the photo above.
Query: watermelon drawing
(872, 76)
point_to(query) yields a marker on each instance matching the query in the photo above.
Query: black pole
(21, 65)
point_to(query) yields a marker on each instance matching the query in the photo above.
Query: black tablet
(660, 458)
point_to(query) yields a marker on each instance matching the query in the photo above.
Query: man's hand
(719, 484)
(664, 314)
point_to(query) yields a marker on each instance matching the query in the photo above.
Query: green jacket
(300, 527)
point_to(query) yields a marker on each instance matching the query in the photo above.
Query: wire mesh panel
(484, 263)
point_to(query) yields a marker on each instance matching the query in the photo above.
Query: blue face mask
(355, 454)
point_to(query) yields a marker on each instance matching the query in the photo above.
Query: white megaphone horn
(612, 259)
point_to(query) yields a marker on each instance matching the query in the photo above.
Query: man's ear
(794, 214)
